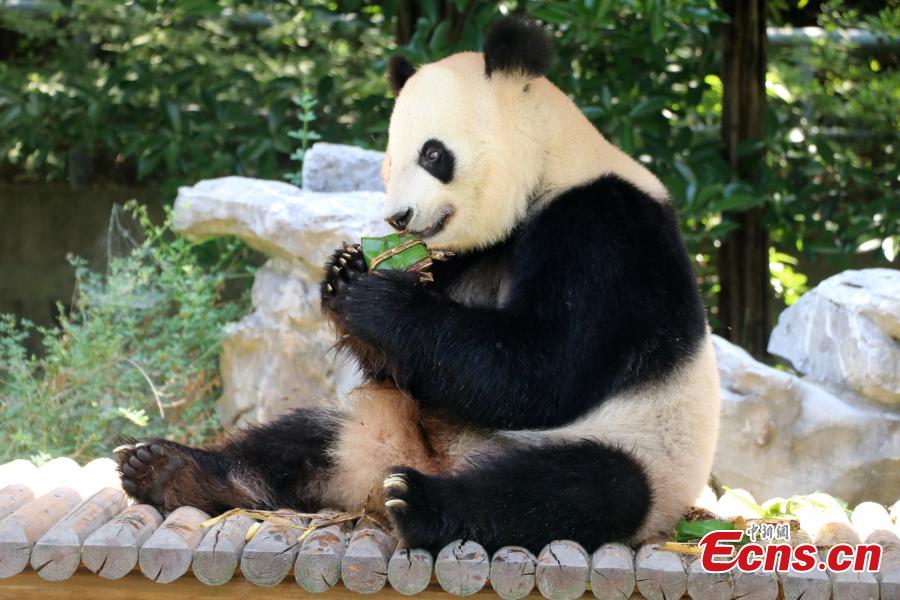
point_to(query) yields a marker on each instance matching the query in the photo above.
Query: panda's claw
(395, 481)
(342, 268)
(395, 503)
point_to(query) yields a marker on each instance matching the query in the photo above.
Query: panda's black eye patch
(437, 159)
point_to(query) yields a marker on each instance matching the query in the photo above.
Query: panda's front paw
(413, 506)
(341, 270)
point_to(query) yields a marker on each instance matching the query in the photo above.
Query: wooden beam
(563, 570)
(512, 572)
(86, 585)
(410, 570)
(462, 568)
(318, 566)
(112, 550)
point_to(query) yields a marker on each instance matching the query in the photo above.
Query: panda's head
(479, 141)
(462, 163)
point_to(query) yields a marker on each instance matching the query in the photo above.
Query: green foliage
(137, 355)
(833, 175)
(304, 134)
(179, 91)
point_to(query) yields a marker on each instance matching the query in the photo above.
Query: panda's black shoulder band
(517, 45)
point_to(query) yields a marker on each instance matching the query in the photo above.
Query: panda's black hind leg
(281, 464)
(583, 491)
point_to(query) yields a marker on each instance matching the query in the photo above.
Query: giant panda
(556, 380)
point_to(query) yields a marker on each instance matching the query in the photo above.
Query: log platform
(68, 531)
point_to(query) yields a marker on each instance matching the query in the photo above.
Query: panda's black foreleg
(579, 490)
(277, 465)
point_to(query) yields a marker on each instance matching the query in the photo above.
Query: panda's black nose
(401, 219)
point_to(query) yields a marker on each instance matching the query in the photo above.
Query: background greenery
(169, 92)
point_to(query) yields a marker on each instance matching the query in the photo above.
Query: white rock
(277, 218)
(846, 332)
(279, 356)
(782, 435)
(338, 168)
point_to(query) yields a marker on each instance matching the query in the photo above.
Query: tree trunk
(743, 256)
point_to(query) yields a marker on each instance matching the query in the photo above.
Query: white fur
(514, 149)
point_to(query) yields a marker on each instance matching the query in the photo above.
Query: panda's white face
(469, 156)
(457, 171)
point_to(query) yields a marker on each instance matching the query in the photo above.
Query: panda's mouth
(435, 228)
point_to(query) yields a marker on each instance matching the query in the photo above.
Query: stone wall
(837, 428)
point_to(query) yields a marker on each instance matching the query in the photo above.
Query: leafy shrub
(179, 91)
(137, 355)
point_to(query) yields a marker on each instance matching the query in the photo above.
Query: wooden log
(756, 585)
(219, 553)
(57, 553)
(57, 473)
(845, 585)
(462, 568)
(13, 497)
(874, 526)
(409, 570)
(810, 585)
(659, 575)
(612, 571)
(365, 564)
(704, 585)
(563, 570)
(268, 557)
(166, 556)
(112, 550)
(85, 585)
(20, 530)
(19, 471)
(318, 566)
(889, 575)
(512, 572)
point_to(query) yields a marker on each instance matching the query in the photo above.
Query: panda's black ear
(517, 45)
(399, 70)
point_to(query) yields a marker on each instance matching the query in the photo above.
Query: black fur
(399, 71)
(602, 298)
(443, 165)
(271, 466)
(581, 491)
(517, 45)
